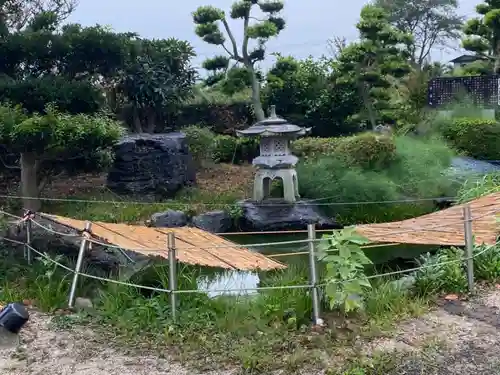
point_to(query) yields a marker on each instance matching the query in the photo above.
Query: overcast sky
(310, 23)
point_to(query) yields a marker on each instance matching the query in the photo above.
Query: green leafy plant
(345, 277)
(225, 148)
(473, 136)
(476, 188)
(311, 147)
(441, 272)
(201, 143)
(487, 263)
(368, 150)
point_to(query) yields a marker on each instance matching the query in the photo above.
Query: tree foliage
(17, 14)
(40, 65)
(373, 63)
(483, 32)
(51, 143)
(432, 23)
(156, 79)
(43, 64)
(306, 93)
(209, 21)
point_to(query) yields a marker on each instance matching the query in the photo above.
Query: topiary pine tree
(373, 63)
(483, 33)
(208, 20)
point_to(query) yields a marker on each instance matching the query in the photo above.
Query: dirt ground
(459, 337)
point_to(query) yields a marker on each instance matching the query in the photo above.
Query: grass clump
(478, 187)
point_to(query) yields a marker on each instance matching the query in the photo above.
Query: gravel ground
(460, 337)
(43, 350)
(457, 338)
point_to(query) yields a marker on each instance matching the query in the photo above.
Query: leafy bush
(443, 272)
(487, 263)
(314, 146)
(201, 143)
(477, 138)
(419, 165)
(368, 150)
(415, 172)
(229, 149)
(224, 148)
(345, 277)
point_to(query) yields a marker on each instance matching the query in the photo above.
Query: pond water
(234, 282)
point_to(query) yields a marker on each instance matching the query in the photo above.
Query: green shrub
(201, 143)
(229, 149)
(415, 172)
(368, 150)
(224, 148)
(487, 263)
(443, 272)
(478, 138)
(248, 149)
(314, 146)
(332, 180)
(419, 165)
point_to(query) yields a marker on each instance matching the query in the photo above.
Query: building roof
(468, 58)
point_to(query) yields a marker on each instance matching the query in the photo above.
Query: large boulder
(276, 214)
(151, 164)
(213, 221)
(169, 219)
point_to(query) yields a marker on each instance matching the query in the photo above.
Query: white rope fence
(87, 240)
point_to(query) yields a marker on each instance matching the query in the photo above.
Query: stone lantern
(276, 159)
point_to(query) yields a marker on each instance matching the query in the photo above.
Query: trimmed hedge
(314, 146)
(478, 138)
(368, 150)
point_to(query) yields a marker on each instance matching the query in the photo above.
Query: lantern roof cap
(273, 126)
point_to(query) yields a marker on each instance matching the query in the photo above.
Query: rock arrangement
(151, 164)
(271, 215)
(276, 214)
(212, 221)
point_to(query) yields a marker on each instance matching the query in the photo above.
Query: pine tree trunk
(257, 105)
(29, 181)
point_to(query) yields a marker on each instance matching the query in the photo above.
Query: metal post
(172, 272)
(79, 261)
(469, 246)
(27, 247)
(313, 276)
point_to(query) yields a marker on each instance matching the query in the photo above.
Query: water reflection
(385, 257)
(230, 283)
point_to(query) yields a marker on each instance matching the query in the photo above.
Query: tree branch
(244, 47)
(233, 40)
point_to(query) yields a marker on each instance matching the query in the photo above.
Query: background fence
(314, 285)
